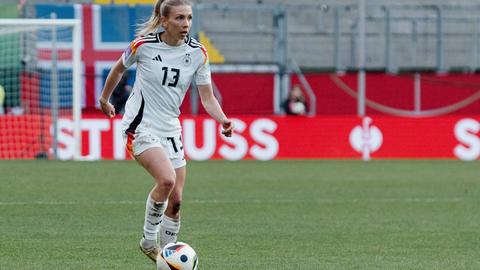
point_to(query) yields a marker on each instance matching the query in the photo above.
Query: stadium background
(421, 60)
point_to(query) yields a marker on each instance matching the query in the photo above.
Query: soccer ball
(177, 256)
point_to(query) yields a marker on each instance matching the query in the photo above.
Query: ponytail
(161, 8)
(153, 22)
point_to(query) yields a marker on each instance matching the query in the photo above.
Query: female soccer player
(167, 63)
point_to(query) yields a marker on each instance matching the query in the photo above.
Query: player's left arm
(211, 105)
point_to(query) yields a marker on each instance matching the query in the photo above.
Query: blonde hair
(161, 8)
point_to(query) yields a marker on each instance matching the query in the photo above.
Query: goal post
(40, 78)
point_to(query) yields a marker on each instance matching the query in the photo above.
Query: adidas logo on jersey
(157, 58)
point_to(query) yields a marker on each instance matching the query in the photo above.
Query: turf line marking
(320, 201)
(70, 203)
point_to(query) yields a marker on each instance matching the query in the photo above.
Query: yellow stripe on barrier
(103, 2)
(214, 54)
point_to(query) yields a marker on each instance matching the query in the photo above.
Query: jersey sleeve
(129, 56)
(203, 74)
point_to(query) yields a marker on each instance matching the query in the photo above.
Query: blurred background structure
(434, 35)
(301, 36)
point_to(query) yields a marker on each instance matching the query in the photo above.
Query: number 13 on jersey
(176, 76)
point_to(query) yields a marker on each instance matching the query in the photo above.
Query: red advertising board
(268, 137)
(438, 95)
(277, 137)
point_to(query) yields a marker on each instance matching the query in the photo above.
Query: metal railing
(328, 36)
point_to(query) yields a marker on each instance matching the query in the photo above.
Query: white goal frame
(76, 68)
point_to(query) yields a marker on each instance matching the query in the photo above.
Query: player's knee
(166, 182)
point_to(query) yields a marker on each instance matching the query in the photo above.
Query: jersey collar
(186, 40)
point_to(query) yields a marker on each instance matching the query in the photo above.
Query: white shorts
(173, 146)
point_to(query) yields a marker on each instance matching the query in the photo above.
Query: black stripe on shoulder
(141, 40)
(194, 44)
(149, 36)
(138, 118)
(151, 41)
(154, 38)
(194, 41)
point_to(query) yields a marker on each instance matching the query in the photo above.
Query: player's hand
(227, 126)
(107, 108)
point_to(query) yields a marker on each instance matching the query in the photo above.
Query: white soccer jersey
(163, 76)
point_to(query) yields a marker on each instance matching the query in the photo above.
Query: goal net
(40, 95)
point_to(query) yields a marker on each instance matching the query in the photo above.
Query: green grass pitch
(394, 214)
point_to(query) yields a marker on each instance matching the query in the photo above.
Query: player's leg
(170, 225)
(157, 163)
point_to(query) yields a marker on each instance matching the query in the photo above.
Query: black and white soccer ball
(177, 256)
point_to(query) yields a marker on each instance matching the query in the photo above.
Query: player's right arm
(113, 78)
(129, 57)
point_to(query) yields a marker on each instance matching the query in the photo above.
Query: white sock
(169, 230)
(153, 216)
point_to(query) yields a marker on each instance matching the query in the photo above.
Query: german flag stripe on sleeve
(204, 54)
